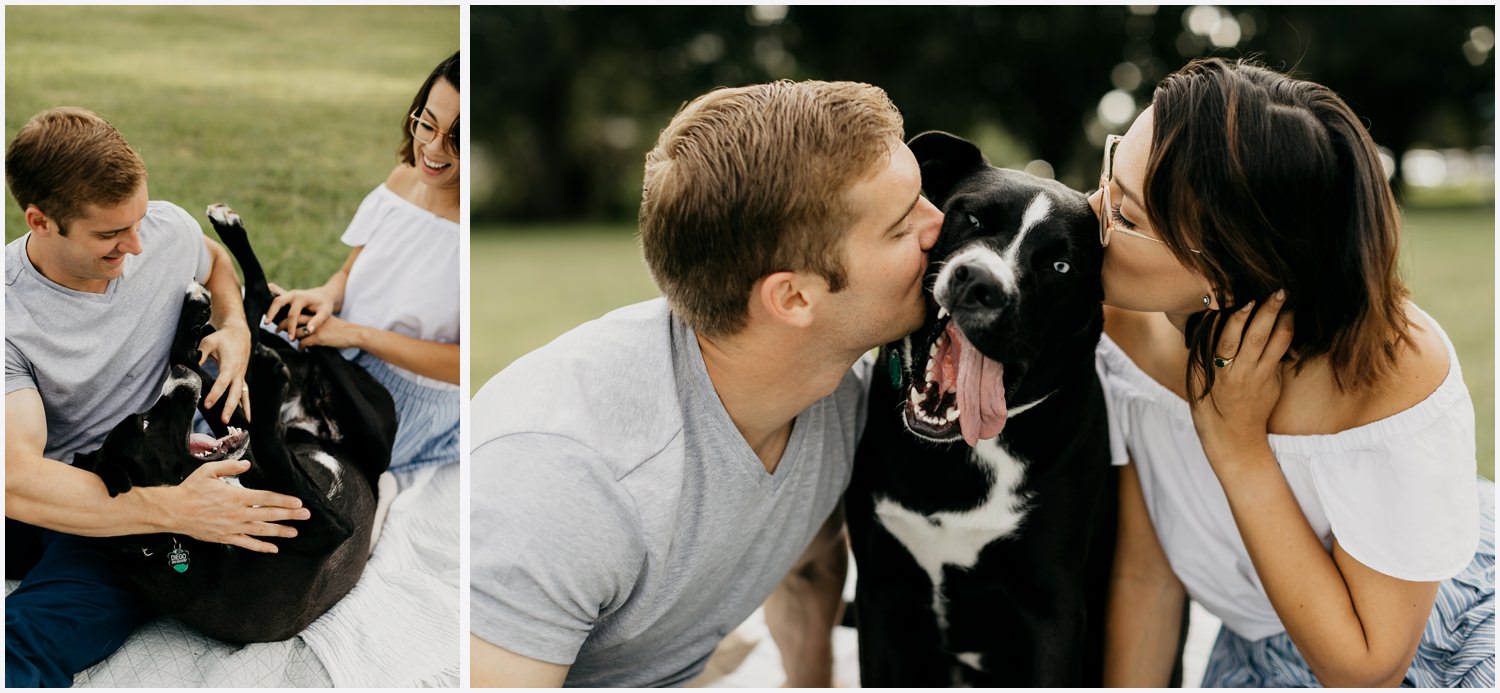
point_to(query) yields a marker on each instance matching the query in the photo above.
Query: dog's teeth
(942, 312)
(953, 414)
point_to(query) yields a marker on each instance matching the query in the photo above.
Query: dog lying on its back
(982, 507)
(321, 430)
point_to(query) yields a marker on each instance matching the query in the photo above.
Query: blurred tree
(567, 100)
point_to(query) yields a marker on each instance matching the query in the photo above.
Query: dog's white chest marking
(955, 538)
(334, 468)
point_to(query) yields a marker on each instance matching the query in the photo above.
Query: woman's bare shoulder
(1422, 364)
(1313, 404)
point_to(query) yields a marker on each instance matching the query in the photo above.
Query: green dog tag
(178, 559)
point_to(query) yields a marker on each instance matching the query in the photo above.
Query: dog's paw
(222, 215)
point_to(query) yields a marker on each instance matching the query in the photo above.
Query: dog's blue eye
(974, 221)
(1061, 267)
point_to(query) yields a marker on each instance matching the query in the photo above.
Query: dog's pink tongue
(981, 391)
(199, 442)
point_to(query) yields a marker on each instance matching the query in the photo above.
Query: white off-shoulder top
(1399, 494)
(406, 279)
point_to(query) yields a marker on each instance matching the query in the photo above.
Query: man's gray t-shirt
(620, 524)
(96, 358)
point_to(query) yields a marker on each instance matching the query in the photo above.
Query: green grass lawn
(531, 284)
(289, 114)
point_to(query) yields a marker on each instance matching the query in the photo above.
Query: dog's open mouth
(962, 392)
(209, 449)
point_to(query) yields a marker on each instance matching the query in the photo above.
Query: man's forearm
(227, 305)
(59, 497)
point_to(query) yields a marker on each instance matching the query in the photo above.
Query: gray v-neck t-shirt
(96, 358)
(620, 523)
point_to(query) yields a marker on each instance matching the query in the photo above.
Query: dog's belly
(956, 538)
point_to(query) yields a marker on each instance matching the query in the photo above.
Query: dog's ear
(945, 159)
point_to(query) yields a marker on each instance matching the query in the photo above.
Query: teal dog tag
(178, 559)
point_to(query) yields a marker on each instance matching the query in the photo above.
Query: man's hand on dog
(229, 346)
(205, 508)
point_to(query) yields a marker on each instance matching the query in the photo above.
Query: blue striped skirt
(426, 417)
(1457, 648)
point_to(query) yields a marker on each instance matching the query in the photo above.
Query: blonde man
(647, 480)
(93, 291)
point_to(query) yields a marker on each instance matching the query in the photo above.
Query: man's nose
(931, 223)
(132, 242)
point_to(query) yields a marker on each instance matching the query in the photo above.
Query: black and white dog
(982, 507)
(321, 430)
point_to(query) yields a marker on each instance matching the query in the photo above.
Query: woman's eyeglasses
(423, 131)
(1107, 212)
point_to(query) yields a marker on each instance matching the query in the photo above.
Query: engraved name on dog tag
(178, 559)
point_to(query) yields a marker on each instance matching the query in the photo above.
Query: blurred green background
(570, 99)
(289, 114)
(542, 281)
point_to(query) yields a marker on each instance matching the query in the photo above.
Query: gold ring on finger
(1220, 362)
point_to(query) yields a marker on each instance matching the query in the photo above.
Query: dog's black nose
(974, 288)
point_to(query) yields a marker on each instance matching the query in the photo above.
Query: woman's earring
(1207, 300)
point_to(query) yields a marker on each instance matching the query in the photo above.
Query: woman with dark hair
(1299, 436)
(393, 307)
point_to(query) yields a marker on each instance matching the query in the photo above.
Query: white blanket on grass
(398, 627)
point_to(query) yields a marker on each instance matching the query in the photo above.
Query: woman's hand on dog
(307, 309)
(206, 508)
(335, 332)
(229, 346)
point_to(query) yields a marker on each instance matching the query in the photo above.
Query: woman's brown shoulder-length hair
(1279, 185)
(446, 71)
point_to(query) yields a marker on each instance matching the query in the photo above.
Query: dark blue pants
(71, 610)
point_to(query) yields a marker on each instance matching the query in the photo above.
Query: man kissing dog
(643, 483)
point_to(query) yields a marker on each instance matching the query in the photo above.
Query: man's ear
(786, 297)
(38, 221)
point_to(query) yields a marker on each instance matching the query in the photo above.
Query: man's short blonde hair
(65, 158)
(749, 181)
